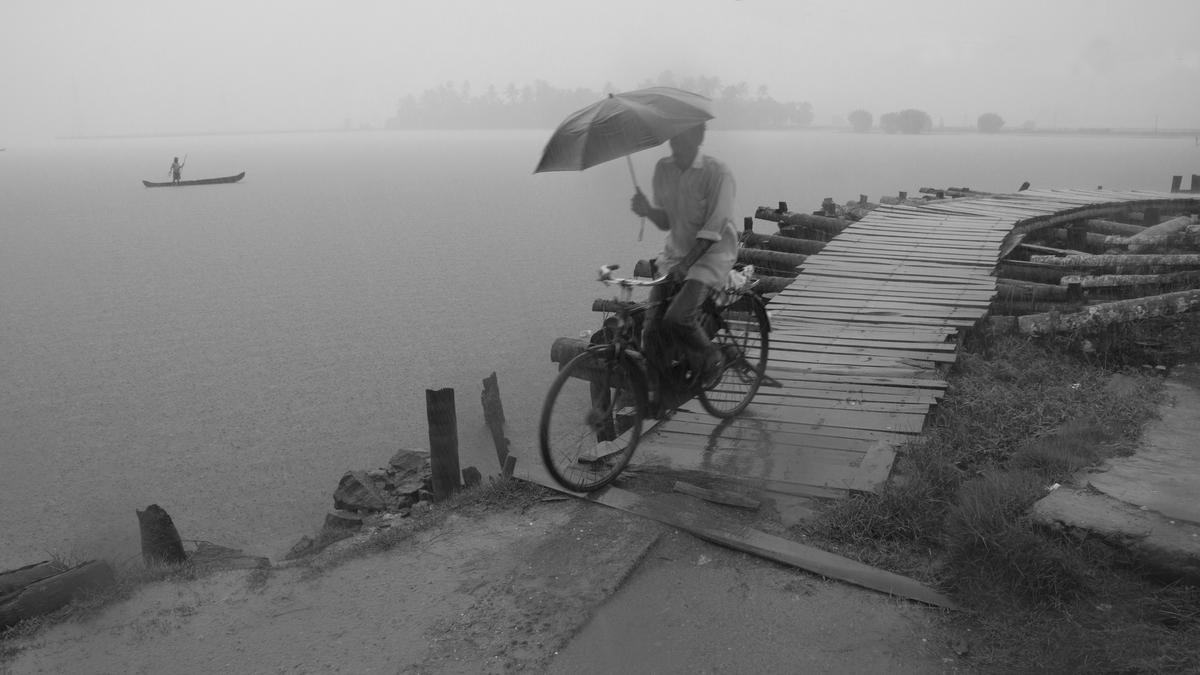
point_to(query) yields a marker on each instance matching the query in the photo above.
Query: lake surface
(229, 351)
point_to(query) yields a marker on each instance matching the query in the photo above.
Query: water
(229, 351)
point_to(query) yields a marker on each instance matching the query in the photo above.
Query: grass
(1019, 416)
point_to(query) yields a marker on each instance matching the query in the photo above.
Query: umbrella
(621, 125)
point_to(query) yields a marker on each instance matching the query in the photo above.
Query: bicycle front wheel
(592, 419)
(741, 336)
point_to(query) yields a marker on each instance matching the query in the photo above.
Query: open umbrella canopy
(620, 125)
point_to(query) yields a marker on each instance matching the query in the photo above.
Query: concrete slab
(1169, 547)
(1164, 474)
(1146, 502)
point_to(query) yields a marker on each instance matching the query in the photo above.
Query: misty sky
(89, 67)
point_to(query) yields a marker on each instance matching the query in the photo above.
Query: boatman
(694, 196)
(176, 170)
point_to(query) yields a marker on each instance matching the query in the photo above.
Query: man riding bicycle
(694, 196)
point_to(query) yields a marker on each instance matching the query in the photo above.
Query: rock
(305, 546)
(357, 491)
(343, 520)
(409, 463)
(471, 477)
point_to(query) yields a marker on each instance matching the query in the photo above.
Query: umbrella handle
(633, 177)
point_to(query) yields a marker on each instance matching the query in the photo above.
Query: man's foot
(714, 368)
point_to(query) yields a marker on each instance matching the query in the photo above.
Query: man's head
(685, 145)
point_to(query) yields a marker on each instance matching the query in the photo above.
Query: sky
(142, 67)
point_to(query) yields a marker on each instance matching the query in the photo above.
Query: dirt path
(533, 590)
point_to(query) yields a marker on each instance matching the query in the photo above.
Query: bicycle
(593, 414)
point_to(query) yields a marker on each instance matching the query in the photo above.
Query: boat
(201, 181)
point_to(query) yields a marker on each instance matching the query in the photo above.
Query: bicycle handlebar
(608, 279)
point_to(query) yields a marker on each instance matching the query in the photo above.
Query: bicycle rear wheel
(592, 419)
(741, 336)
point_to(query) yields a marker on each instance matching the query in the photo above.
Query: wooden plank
(856, 376)
(875, 468)
(784, 338)
(891, 319)
(775, 548)
(850, 332)
(791, 399)
(756, 433)
(800, 352)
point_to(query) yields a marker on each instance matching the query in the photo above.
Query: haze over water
(229, 351)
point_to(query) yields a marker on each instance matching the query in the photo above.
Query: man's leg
(682, 318)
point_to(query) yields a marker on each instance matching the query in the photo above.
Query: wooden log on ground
(1101, 226)
(14, 580)
(780, 243)
(50, 593)
(1016, 289)
(1188, 278)
(778, 263)
(1128, 263)
(161, 544)
(443, 441)
(1173, 232)
(791, 218)
(493, 416)
(1096, 317)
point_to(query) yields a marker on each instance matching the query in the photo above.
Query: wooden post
(1195, 182)
(748, 224)
(160, 540)
(782, 207)
(862, 199)
(828, 207)
(493, 415)
(1176, 182)
(443, 441)
(903, 195)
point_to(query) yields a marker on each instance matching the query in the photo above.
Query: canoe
(202, 181)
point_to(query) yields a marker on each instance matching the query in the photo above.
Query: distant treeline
(541, 105)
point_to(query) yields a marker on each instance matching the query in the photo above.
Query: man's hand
(639, 204)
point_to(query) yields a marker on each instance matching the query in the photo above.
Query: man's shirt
(699, 205)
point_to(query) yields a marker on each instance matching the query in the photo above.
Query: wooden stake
(493, 415)
(443, 441)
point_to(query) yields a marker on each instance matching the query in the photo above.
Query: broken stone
(343, 520)
(409, 463)
(471, 476)
(300, 549)
(357, 491)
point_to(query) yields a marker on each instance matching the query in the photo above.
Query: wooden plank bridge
(862, 339)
